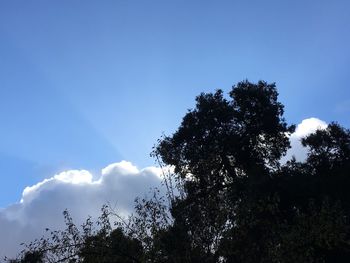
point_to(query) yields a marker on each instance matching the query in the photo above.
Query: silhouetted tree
(240, 204)
(229, 198)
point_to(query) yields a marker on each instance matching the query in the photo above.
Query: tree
(29, 257)
(97, 242)
(115, 247)
(223, 150)
(233, 201)
(240, 204)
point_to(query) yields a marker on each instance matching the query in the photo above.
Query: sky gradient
(87, 83)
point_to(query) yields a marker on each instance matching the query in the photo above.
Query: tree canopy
(229, 197)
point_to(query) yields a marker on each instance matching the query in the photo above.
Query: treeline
(229, 199)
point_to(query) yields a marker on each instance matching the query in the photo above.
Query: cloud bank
(42, 204)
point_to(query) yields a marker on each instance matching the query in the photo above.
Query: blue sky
(87, 83)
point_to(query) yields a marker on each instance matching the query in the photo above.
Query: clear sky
(87, 83)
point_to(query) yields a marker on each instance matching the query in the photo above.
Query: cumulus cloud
(303, 129)
(42, 204)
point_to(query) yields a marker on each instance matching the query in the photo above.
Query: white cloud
(303, 129)
(42, 204)
(308, 126)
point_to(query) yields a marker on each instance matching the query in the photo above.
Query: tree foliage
(229, 198)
